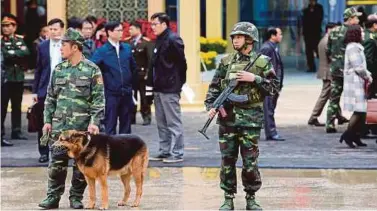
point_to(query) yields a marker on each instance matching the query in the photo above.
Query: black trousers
(269, 106)
(12, 91)
(118, 107)
(43, 150)
(311, 46)
(145, 107)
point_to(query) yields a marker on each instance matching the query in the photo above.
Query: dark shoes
(166, 158)
(51, 202)
(173, 160)
(330, 130)
(275, 138)
(76, 204)
(346, 137)
(342, 120)
(5, 143)
(159, 157)
(43, 159)
(18, 136)
(251, 204)
(350, 138)
(315, 122)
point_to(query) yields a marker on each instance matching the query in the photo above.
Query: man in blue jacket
(167, 78)
(48, 57)
(118, 70)
(270, 49)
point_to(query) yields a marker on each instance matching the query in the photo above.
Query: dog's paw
(90, 206)
(135, 204)
(104, 207)
(122, 203)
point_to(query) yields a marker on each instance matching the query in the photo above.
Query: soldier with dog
(75, 100)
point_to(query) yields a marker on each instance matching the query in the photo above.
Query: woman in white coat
(356, 79)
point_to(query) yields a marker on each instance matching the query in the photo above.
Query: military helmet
(245, 28)
(73, 35)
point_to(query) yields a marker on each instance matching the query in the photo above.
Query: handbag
(371, 111)
(32, 116)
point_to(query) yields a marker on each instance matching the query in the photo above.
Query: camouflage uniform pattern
(370, 51)
(75, 99)
(14, 51)
(336, 50)
(241, 128)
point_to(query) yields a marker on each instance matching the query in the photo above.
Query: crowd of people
(88, 78)
(348, 65)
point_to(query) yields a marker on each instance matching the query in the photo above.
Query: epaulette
(262, 61)
(19, 36)
(146, 39)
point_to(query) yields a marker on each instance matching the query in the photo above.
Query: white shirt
(116, 45)
(55, 55)
(135, 40)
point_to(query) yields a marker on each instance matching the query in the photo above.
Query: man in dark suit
(312, 23)
(141, 50)
(48, 57)
(270, 49)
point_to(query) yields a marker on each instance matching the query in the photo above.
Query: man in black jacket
(167, 78)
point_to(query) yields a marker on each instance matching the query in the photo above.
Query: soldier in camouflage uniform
(335, 52)
(75, 100)
(15, 54)
(370, 51)
(241, 121)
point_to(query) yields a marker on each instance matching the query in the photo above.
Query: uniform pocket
(60, 84)
(83, 87)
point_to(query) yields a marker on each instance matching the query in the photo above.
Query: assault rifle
(224, 96)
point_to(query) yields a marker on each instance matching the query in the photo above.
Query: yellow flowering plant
(208, 59)
(213, 44)
(210, 48)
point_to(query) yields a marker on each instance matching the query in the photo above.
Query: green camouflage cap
(351, 12)
(245, 28)
(73, 35)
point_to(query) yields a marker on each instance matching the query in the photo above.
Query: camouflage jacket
(370, 51)
(251, 114)
(15, 54)
(75, 96)
(336, 50)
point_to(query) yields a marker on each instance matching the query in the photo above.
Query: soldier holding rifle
(241, 115)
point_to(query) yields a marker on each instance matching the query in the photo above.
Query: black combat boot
(251, 204)
(75, 203)
(51, 202)
(228, 202)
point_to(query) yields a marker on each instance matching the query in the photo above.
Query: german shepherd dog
(98, 156)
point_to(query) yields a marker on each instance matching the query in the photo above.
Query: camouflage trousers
(333, 109)
(232, 140)
(57, 174)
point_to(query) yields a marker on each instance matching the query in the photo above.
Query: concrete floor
(198, 188)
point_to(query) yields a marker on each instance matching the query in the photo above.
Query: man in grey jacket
(324, 74)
